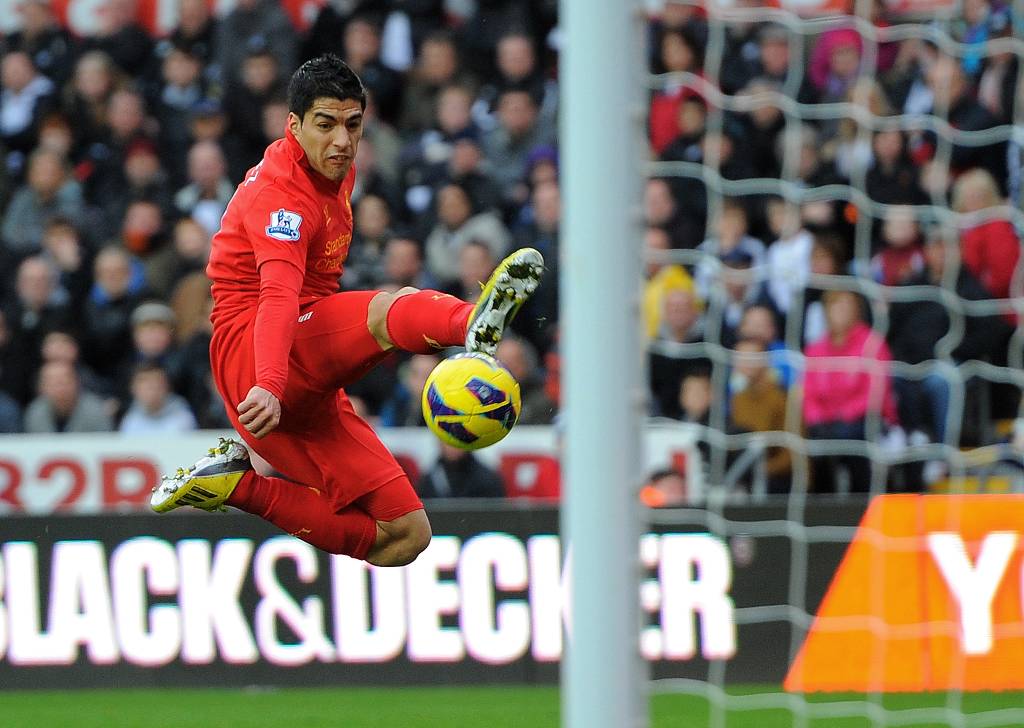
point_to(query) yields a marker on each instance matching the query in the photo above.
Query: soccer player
(286, 343)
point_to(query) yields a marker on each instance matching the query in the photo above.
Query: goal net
(832, 303)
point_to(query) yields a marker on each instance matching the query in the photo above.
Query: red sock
(302, 512)
(426, 321)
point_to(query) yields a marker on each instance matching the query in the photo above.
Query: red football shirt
(291, 217)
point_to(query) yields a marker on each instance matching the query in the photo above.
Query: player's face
(329, 134)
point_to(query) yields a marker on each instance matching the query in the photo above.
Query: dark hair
(324, 77)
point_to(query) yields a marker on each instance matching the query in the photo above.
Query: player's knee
(377, 314)
(400, 547)
(412, 544)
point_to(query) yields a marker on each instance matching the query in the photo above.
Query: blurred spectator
(36, 309)
(762, 127)
(403, 409)
(902, 257)
(188, 252)
(364, 268)
(403, 264)
(426, 159)
(789, 256)
(61, 345)
(952, 100)
(520, 358)
(990, 250)
(681, 324)
(835, 63)
(48, 192)
(679, 51)
(540, 312)
(254, 24)
(209, 190)
(361, 51)
(25, 97)
(143, 178)
(373, 179)
(812, 169)
(839, 396)
(196, 30)
(758, 404)
(10, 414)
(979, 21)
(437, 68)
(517, 66)
(64, 250)
(691, 120)
(827, 259)
(460, 474)
(664, 489)
(730, 236)
(695, 398)
(467, 167)
(661, 276)
(892, 177)
(122, 38)
(63, 405)
(851, 149)
(507, 147)
(155, 409)
(41, 36)
(153, 324)
(125, 122)
(917, 327)
(16, 362)
(209, 123)
(259, 82)
(760, 323)
(119, 287)
(476, 263)
(997, 86)
(181, 87)
(85, 100)
(458, 223)
(681, 214)
(738, 287)
(143, 234)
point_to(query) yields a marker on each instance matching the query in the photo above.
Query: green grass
(490, 707)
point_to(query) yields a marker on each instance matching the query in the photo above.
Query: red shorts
(320, 441)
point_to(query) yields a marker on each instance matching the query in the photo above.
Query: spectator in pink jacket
(846, 379)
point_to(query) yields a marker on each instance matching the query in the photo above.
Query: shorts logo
(284, 225)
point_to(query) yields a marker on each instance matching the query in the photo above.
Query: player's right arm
(279, 231)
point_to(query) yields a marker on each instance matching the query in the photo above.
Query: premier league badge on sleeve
(284, 225)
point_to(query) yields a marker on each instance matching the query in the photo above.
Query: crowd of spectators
(121, 151)
(804, 354)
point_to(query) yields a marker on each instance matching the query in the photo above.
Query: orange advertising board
(927, 597)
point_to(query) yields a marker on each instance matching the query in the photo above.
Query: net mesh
(965, 445)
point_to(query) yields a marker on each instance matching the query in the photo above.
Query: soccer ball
(471, 401)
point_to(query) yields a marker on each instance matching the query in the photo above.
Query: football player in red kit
(286, 343)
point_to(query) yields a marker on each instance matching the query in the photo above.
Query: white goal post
(603, 676)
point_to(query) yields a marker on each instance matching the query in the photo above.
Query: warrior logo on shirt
(284, 225)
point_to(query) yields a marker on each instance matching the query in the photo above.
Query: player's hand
(259, 412)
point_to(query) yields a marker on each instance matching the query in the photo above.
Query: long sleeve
(277, 315)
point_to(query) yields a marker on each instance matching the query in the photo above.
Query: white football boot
(506, 291)
(208, 483)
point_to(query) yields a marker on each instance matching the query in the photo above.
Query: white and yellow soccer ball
(471, 401)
